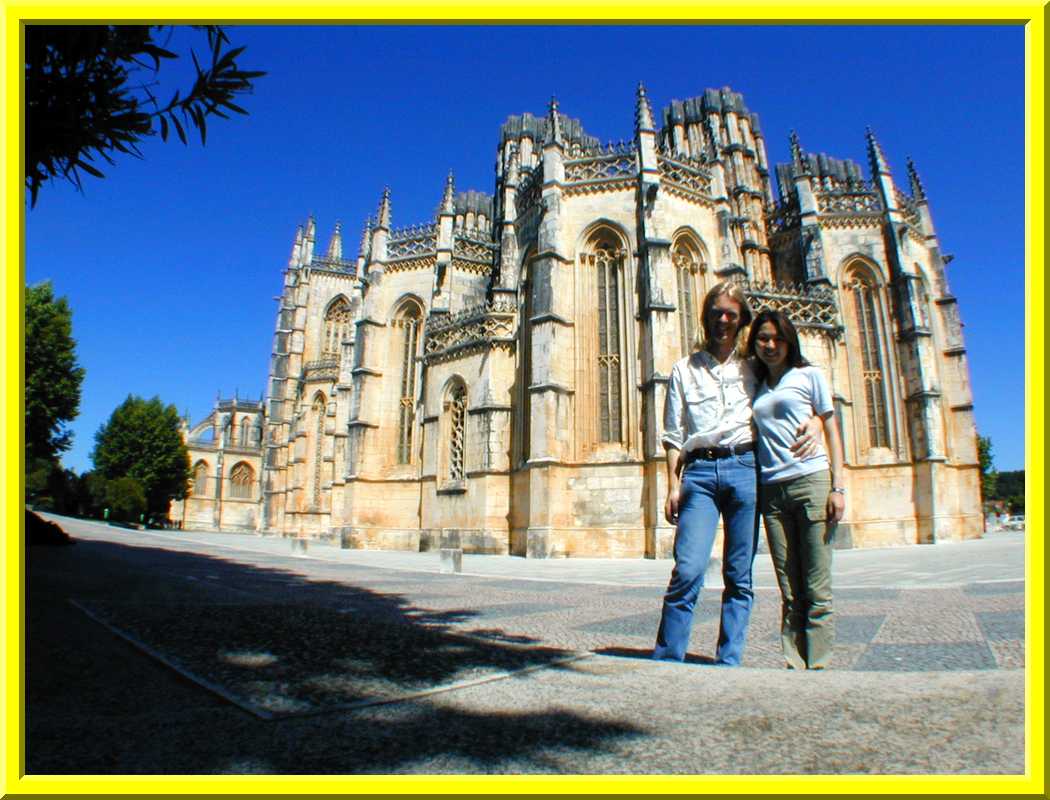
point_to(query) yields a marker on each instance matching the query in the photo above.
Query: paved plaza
(192, 652)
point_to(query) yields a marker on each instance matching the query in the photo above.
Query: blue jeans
(726, 487)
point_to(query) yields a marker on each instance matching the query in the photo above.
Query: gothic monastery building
(493, 379)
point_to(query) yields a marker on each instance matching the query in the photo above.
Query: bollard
(451, 559)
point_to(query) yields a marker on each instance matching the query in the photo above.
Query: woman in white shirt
(800, 500)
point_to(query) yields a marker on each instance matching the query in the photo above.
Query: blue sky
(172, 263)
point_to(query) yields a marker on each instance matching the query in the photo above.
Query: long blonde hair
(735, 292)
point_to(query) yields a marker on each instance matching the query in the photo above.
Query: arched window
(688, 262)
(602, 263)
(455, 411)
(242, 476)
(245, 432)
(526, 306)
(336, 326)
(200, 479)
(865, 310)
(406, 324)
(317, 409)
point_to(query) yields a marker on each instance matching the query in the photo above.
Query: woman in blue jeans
(709, 443)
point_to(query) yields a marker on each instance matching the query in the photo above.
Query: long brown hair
(735, 292)
(786, 329)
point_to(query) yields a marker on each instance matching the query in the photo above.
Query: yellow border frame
(15, 14)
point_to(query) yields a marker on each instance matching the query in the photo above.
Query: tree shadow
(284, 642)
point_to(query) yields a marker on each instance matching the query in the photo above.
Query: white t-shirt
(708, 402)
(778, 412)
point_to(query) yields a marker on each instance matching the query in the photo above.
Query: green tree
(126, 499)
(52, 488)
(988, 473)
(53, 377)
(88, 91)
(141, 440)
(93, 493)
(1009, 484)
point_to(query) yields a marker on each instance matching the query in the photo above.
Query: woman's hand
(671, 505)
(836, 506)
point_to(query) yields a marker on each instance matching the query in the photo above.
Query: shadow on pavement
(647, 654)
(283, 643)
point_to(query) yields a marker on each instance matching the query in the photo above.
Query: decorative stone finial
(643, 112)
(447, 199)
(335, 244)
(366, 236)
(917, 189)
(553, 123)
(297, 247)
(384, 210)
(876, 159)
(796, 154)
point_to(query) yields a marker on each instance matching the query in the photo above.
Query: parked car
(1015, 523)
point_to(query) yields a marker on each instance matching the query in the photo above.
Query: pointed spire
(366, 236)
(297, 247)
(643, 112)
(917, 189)
(875, 157)
(308, 242)
(553, 124)
(384, 210)
(448, 198)
(335, 245)
(796, 154)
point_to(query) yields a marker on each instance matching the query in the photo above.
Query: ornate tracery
(200, 479)
(456, 411)
(336, 325)
(866, 319)
(604, 258)
(407, 322)
(317, 408)
(689, 264)
(242, 476)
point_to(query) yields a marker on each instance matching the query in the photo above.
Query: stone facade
(226, 465)
(494, 379)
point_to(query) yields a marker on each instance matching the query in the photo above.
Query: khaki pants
(800, 541)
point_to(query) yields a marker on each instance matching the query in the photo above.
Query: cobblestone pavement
(928, 674)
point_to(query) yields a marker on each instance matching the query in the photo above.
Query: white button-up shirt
(708, 402)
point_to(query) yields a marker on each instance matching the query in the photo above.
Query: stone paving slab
(942, 622)
(926, 679)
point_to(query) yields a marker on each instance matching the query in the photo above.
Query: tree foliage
(1009, 489)
(141, 440)
(125, 499)
(988, 473)
(89, 94)
(53, 377)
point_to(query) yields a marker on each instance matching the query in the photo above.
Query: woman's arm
(836, 500)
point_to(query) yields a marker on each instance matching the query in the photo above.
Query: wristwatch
(838, 490)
